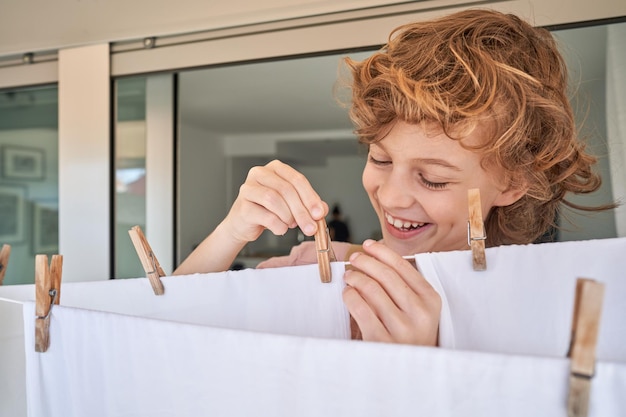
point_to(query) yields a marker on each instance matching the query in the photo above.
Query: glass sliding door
(143, 164)
(29, 178)
(130, 172)
(595, 59)
(235, 117)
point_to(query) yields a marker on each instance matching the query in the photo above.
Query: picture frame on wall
(45, 227)
(12, 209)
(23, 163)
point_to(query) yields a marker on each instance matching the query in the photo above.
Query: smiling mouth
(403, 225)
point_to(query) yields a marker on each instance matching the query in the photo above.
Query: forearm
(215, 253)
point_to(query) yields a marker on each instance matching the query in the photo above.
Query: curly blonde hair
(483, 66)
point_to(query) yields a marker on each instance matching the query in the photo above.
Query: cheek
(369, 180)
(449, 209)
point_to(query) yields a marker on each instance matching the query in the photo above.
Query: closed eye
(433, 185)
(377, 161)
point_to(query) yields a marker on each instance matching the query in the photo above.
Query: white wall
(84, 162)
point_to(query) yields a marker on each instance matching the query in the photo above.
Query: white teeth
(399, 224)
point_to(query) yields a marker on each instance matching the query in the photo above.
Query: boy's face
(417, 180)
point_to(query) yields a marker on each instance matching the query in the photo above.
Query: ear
(510, 195)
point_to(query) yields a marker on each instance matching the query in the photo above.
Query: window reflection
(588, 52)
(29, 178)
(234, 117)
(130, 172)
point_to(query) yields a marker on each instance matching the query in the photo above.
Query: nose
(397, 190)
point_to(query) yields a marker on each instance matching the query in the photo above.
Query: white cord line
(408, 257)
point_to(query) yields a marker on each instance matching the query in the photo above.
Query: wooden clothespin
(47, 293)
(476, 230)
(149, 262)
(585, 326)
(5, 253)
(325, 252)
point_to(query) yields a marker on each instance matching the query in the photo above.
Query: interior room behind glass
(234, 117)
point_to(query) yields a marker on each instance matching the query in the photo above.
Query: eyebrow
(427, 161)
(440, 162)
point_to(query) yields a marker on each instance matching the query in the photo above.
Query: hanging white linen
(289, 301)
(125, 352)
(523, 303)
(12, 361)
(108, 365)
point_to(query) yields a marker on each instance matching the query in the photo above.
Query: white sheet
(288, 300)
(108, 365)
(12, 360)
(523, 302)
(121, 351)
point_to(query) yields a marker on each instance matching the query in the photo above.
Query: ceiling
(295, 102)
(270, 97)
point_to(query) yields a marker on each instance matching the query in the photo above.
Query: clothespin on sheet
(476, 230)
(47, 293)
(5, 253)
(149, 262)
(585, 326)
(325, 252)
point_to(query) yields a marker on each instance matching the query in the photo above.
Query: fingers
(275, 197)
(288, 194)
(385, 264)
(362, 313)
(390, 299)
(249, 218)
(377, 314)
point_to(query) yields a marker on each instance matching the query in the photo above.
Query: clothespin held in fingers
(47, 293)
(585, 327)
(325, 252)
(476, 230)
(149, 262)
(5, 253)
